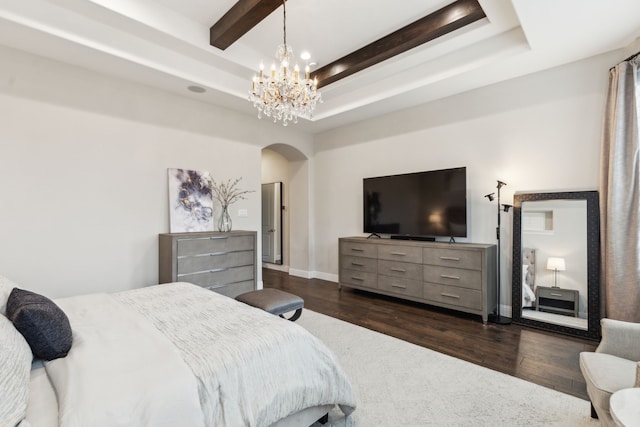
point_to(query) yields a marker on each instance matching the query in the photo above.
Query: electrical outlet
(243, 213)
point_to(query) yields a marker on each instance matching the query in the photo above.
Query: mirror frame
(593, 262)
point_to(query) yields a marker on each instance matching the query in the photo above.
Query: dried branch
(227, 192)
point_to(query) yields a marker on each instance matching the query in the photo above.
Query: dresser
(222, 262)
(458, 276)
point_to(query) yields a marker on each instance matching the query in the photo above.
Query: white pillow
(6, 286)
(15, 367)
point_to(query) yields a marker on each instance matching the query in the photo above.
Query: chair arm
(621, 339)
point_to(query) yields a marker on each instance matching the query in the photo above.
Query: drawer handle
(218, 237)
(357, 250)
(357, 264)
(399, 270)
(360, 279)
(218, 253)
(217, 270)
(449, 258)
(446, 276)
(393, 285)
(556, 295)
(450, 295)
(399, 253)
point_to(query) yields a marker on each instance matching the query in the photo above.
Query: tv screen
(431, 204)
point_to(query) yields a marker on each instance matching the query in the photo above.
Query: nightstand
(557, 300)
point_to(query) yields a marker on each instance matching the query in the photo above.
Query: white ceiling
(165, 44)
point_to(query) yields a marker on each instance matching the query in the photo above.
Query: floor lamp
(498, 318)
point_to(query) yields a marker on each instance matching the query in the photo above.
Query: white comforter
(181, 355)
(120, 371)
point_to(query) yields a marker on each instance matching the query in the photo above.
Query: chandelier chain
(284, 23)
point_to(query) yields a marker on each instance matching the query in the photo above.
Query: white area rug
(401, 384)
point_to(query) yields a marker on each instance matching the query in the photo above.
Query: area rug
(401, 384)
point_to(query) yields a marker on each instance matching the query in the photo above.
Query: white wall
(538, 132)
(83, 166)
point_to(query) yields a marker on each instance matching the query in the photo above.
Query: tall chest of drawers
(459, 276)
(222, 262)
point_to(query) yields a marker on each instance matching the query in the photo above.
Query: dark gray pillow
(42, 323)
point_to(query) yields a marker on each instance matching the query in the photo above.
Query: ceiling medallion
(284, 94)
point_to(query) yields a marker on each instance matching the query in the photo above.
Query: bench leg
(594, 414)
(295, 316)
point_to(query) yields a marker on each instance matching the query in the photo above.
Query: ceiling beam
(441, 22)
(242, 17)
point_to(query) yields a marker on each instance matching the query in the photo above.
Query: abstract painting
(190, 201)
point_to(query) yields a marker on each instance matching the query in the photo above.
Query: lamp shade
(554, 263)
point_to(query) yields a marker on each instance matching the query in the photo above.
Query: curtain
(620, 195)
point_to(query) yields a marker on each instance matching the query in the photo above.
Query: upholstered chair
(612, 367)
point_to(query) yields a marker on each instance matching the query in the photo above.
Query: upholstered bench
(274, 301)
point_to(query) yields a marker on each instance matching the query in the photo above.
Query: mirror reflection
(554, 262)
(272, 223)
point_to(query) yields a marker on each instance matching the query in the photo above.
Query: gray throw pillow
(42, 323)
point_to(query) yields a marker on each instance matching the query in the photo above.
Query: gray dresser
(222, 262)
(459, 276)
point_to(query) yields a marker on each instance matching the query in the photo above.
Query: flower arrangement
(227, 192)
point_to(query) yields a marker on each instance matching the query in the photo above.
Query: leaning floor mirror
(556, 262)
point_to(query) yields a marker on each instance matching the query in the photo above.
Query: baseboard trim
(300, 273)
(506, 310)
(278, 267)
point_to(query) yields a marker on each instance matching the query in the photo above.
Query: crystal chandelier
(284, 94)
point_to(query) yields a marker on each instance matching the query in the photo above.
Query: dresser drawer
(406, 287)
(359, 278)
(214, 244)
(359, 263)
(210, 261)
(403, 270)
(471, 279)
(218, 277)
(367, 250)
(453, 258)
(234, 289)
(453, 295)
(400, 253)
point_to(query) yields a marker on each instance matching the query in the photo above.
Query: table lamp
(556, 264)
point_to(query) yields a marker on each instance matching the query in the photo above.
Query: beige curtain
(620, 195)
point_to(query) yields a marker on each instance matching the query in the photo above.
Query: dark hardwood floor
(544, 358)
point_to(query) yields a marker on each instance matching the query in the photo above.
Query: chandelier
(284, 94)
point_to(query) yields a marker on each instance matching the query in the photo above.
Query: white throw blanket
(253, 368)
(120, 371)
(180, 355)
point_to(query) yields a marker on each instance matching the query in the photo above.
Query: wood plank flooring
(544, 358)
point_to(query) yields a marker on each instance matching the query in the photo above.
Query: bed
(528, 277)
(168, 355)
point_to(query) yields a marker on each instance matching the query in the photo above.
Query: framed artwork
(190, 201)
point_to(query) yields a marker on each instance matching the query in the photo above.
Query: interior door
(272, 223)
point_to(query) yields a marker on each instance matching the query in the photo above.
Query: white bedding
(121, 371)
(178, 354)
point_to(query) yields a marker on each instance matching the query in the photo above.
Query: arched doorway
(288, 165)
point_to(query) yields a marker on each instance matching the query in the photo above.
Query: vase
(224, 222)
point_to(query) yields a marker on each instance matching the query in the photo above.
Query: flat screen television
(414, 205)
